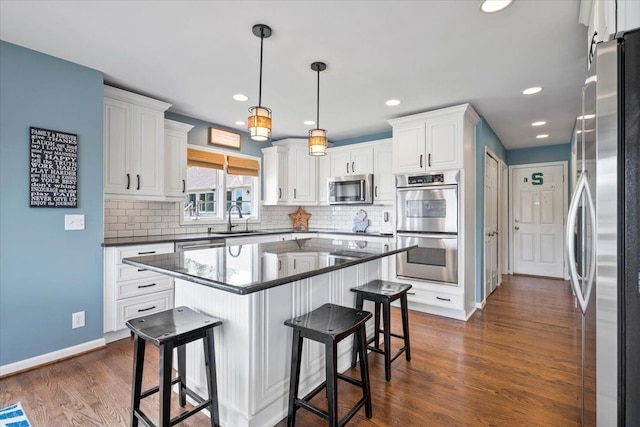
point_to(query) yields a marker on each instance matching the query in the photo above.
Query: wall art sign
(53, 169)
(224, 138)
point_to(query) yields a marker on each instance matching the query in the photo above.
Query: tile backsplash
(126, 218)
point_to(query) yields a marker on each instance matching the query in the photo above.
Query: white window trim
(222, 200)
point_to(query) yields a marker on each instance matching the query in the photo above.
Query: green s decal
(536, 178)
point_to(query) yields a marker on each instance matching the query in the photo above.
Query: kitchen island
(254, 288)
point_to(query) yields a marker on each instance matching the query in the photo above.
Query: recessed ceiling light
(544, 135)
(491, 6)
(240, 97)
(532, 90)
(240, 123)
(309, 122)
(586, 117)
(393, 102)
(541, 123)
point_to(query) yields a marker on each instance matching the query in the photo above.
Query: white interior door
(490, 224)
(538, 194)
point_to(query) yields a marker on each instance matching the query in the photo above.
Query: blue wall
(485, 137)
(199, 135)
(47, 273)
(364, 138)
(549, 153)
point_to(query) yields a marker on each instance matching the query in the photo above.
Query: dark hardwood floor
(515, 363)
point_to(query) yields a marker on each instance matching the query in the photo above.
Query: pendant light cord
(318, 102)
(260, 85)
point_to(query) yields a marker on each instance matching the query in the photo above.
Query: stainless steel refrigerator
(603, 235)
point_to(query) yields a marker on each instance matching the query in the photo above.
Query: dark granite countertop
(244, 269)
(172, 238)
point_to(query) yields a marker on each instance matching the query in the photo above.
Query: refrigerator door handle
(582, 186)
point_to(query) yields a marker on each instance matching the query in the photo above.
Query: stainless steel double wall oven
(427, 215)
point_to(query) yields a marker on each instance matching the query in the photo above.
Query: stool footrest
(155, 389)
(187, 414)
(324, 414)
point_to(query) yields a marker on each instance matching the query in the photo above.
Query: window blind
(242, 166)
(205, 159)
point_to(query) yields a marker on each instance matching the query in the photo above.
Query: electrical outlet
(77, 320)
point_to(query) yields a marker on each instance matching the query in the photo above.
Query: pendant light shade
(259, 121)
(317, 136)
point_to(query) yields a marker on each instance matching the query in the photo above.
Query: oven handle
(428, 235)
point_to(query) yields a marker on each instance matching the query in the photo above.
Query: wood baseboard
(50, 358)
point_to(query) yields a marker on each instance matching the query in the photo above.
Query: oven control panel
(427, 179)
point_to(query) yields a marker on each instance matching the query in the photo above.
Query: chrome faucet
(233, 205)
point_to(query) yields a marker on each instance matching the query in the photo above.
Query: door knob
(516, 220)
(517, 228)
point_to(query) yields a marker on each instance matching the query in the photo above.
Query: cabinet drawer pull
(279, 193)
(376, 191)
(353, 167)
(146, 286)
(142, 269)
(128, 181)
(146, 309)
(347, 167)
(184, 186)
(411, 293)
(138, 177)
(146, 253)
(294, 193)
(420, 160)
(279, 265)
(444, 299)
(429, 159)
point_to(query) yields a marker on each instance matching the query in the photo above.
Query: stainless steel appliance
(427, 216)
(603, 235)
(350, 190)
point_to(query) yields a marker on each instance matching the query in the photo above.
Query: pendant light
(259, 121)
(317, 136)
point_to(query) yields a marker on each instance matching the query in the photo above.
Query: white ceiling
(429, 54)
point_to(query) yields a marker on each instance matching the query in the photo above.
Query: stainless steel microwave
(350, 190)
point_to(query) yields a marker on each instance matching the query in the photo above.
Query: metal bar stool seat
(383, 293)
(168, 330)
(329, 324)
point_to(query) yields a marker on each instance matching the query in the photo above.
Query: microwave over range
(350, 190)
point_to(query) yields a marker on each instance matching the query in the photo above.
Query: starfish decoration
(300, 219)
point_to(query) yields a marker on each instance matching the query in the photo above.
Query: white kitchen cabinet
(129, 291)
(302, 177)
(384, 189)
(133, 145)
(350, 161)
(175, 159)
(289, 173)
(275, 171)
(431, 141)
(324, 172)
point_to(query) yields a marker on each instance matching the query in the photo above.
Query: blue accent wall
(549, 153)
(485, 137)
(199, 135)
(364, 138)
(47, 273)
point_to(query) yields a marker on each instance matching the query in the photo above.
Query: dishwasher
(200, 244)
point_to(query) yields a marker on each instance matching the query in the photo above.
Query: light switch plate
(74, 222)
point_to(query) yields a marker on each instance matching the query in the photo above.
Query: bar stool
(329, 324)
(168, 330)
(383, 293)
